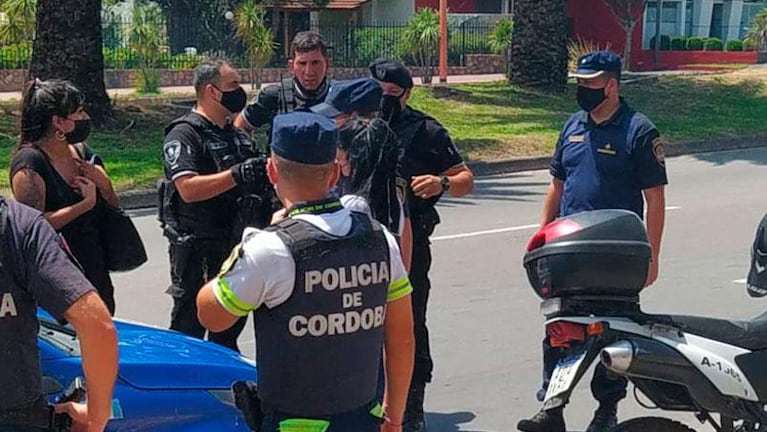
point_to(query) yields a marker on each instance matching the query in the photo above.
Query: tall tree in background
(539, 44)
(68, 45)
(628, 13)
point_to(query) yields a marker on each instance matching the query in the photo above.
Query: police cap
(391, 71)
(596, 63)
(304, 137)
(361, 95)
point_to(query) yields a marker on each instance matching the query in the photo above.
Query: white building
(724, 19)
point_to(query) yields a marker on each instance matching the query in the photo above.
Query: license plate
(564, 375)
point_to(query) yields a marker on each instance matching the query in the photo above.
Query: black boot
(414, 418)
(544, 421)
(605, 418)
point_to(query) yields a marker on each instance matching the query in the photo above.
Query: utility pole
(658, 18)
(442, 41)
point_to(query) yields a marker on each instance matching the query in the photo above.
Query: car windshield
(61, 337)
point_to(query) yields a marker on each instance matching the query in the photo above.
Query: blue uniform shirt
(607, 166)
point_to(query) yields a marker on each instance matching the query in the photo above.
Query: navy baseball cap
(361, 95)
(391, 71)
(304, 137)
(596, 63)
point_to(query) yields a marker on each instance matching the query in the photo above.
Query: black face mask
(235, 100)
(391, 107)
(80, 132)
(589, 99)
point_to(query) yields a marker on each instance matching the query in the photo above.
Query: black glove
(251, 172)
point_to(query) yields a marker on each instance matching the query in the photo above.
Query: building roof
(312, 5)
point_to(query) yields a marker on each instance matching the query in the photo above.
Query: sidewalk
(189, 90)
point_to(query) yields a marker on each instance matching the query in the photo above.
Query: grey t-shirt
(35, 270)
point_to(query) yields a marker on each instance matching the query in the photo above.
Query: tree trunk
(179, 18)
(627, 49)
(539, 44)
(69, 46)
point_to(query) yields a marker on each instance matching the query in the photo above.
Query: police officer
(369, 154)
(35, 270)
(336, 293)
(307, 87)
(433, 166)
(608, 156)
(215, 185)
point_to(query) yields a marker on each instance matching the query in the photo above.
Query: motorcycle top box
(595, 253)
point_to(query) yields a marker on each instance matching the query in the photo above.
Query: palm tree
(421, 40)
(500, 40)
(146, 38)
(757, 33)
(18, 23)
(256, 36)
(539, 44)
(628, 13)
(68, 45)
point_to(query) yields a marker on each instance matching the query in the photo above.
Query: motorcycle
(589, 269)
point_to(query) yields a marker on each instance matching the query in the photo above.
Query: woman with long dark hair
(53, 171)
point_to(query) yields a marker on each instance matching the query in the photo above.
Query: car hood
(156, 359)
(152, 358)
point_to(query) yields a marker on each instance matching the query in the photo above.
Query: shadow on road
(493, 189)
(756, 156)
(450, 422)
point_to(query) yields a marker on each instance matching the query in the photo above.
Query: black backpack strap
(287, 96)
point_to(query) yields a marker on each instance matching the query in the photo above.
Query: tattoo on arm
(27, 189)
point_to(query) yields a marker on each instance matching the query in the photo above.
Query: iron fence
(182, 43)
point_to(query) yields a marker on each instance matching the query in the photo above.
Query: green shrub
(679, 43)
(665, 42)
(374, 42)
(734, 45)
(713, 44)
(16, 56)
(749, 45)
(148, 81)
(121, 58)
(695, 44)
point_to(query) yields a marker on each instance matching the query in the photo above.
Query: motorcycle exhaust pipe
(647, 359)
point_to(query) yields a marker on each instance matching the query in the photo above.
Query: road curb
(147, 198)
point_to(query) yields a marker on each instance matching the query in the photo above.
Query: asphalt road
(486, 329)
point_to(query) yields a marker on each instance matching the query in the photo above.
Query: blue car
(167, 382)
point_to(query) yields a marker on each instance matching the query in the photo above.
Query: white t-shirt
(261, 270)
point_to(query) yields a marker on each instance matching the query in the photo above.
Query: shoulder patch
(659, 150)
(172, 151)
(228, 265)
(576, 138)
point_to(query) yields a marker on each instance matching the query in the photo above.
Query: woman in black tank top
(50, 174)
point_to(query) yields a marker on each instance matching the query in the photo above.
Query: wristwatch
(445, 183)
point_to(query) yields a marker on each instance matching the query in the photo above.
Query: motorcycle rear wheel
(654, 424)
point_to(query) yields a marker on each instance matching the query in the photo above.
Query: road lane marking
(503, 230)
(486, 232)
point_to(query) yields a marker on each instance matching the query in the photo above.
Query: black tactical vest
(214, 218)
(416, 159)
(318, 353)
(19, 355)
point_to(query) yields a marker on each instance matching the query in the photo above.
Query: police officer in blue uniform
(609, 156)
(215, 185)
(329, 292)
(308, 85)
(36, 270)
(432, 166)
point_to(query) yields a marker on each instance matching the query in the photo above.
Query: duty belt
(42, 417)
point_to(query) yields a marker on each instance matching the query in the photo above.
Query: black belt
(42, 417)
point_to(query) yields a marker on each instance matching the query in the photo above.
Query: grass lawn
(487, 121)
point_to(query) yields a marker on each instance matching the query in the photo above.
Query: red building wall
(454, 6)
(592, 20)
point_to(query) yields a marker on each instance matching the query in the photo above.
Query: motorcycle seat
(751, 335)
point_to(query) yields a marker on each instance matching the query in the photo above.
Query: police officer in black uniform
(307, 87)
(215, 185)
(336, 293)
(433, 166)
(36, 270)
